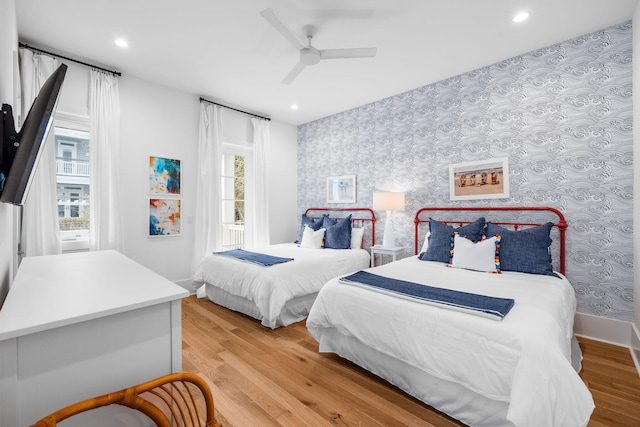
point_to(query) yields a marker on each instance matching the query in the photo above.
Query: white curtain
(208, 217)
(40, 229)
(104, 112)
(260, 226)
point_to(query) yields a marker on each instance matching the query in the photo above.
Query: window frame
(72, 240)
(246, 151)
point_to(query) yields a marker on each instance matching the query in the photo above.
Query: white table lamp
(388, 201)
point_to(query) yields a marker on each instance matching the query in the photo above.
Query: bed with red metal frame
(520, 369)
(281, 294)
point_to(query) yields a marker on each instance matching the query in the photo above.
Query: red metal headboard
(561, 224)
(366, 214)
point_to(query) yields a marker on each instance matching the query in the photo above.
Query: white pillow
(480, 256)
(356, 237)
(425, 245)
(312, 239)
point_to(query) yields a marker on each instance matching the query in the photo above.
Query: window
(73, 174)
(233, 192)
(236, 176)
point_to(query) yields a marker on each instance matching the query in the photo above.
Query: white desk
(75, 326)
(381, 250)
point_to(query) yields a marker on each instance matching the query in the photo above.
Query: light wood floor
(263, 377)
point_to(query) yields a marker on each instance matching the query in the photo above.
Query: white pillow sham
(356, 237)
(425, 245)
(311, 238)
(480, 256)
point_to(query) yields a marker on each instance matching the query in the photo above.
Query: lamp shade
(388, 201)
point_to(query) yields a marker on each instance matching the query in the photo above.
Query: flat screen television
(21, 151)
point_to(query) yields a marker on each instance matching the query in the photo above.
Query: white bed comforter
(270, 288)
(524, 360)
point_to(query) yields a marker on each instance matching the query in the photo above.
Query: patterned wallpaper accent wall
(562, 115)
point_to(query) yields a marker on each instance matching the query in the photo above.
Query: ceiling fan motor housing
(309, 55)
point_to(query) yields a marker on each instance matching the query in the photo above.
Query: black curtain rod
(235, 109)
(55, 55)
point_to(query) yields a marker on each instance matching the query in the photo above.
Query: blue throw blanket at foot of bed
(491, 307)
(254, 257)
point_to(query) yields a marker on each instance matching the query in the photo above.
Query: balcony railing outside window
(75, 167)
(232, 236)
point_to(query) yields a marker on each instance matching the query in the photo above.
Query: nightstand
(380, 250)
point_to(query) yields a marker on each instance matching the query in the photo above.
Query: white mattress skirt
(294, 310)
(450, 398)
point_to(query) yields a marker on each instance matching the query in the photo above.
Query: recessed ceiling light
(294, 107)
(121, 43)
(521, 17)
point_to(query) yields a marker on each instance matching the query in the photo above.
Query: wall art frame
(165, 217)
(165, 176)
(341, 189)
(484, 179)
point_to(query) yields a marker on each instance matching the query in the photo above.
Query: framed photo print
(485, 179)
(164, 176)
(341, 189)
(164, 217)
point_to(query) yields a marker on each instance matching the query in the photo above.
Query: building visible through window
(73, 174)
(233, 201)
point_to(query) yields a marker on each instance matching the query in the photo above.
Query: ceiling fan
(309, 55)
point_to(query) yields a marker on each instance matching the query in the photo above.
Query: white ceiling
(225, 51)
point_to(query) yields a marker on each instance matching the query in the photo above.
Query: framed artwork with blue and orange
(165, 217)
(164, 175)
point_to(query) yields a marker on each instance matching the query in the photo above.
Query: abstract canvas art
(164, 217)
(164, 175)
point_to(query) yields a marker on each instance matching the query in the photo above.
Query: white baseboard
(603, 329)
(635, 346)
(611, 331)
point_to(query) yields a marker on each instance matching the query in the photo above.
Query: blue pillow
(315, 224)
(526, 251)
(338, 234)
(440, 238)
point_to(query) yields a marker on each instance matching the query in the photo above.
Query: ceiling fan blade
(270, 16)
(297, 69)
(363, 52)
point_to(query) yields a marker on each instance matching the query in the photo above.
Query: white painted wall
(8, 48)
(158, 121)
(283, 196)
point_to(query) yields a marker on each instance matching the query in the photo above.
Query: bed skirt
(294, 311)
(448, 397)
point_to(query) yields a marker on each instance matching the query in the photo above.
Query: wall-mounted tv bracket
(8, 144)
